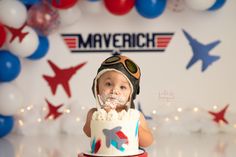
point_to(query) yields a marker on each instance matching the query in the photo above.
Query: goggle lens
(131, 66)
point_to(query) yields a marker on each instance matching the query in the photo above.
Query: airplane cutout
(220, 116)
(115, 137)
(141, 110)
(53, 111)
(201, 52)
(17, 32)
(62, 77)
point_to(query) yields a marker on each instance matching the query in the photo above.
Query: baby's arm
(87, 129)
(144, 134)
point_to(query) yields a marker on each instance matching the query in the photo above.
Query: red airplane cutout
(219, 116)
(62, 76)
(17, 32)
(53, 111)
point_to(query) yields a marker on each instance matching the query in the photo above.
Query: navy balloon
(150, 8)
(218, 4)
(9, 66)
(42, 49)
(6, 125)
(30, 2)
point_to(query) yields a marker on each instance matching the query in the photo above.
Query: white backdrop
(166, 84)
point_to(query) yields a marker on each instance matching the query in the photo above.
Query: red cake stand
(140, 155)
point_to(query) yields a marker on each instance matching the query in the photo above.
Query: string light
(154, 112)
(215, 107)
(167, 119)
(21, 123)
(77, 119)
(29, 108)
(67, 111)
(82, 107)
(179, 109)
(234, 126)
(176, 118)
(195, 109)
(39, 120)
(22, 110)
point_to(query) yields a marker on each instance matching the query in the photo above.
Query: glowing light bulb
(39, 120)
(22, 110)
(154, 112)
(77, 119)
(195, 109)
(215, 107)
(176, 118)
(154, 128)
(29, 108)
(179, 109)
(167, 119)
(21, 123)
(83, 108)
(67, 110)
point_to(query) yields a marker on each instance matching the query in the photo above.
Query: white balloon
(200, 5)
(92, 7)
(11, 99)
(69, 16)
(27, 46)
(12, 13)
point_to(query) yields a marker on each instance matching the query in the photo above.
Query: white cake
(115, 134)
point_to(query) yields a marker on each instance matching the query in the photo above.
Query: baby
(115, 87)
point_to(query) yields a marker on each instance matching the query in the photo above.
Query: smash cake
(115, 133)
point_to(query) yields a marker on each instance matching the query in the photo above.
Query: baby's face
(114, 89)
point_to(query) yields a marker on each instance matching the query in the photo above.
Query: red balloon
(2, 35)
(43, 18)
(119, 7)
(63, 4)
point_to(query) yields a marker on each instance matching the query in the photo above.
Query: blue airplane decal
(201, 52)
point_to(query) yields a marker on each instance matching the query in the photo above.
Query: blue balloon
(41, 50)
(30, 2)
(218, 4)
(9, 66)
(150, 8)
(6, 125)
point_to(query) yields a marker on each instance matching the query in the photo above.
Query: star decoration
(53, 111)
(201, 52)
(17, 32)
(220, 116)
(62, 77)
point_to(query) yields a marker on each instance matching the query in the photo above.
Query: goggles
(129, 65)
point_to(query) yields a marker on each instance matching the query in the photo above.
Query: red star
(17, 32)
(219, 116)
(53, 110)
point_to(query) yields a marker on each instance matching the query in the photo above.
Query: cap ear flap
(138, 90)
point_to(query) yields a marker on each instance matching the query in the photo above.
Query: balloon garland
(25, 25)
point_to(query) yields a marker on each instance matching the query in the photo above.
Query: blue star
(201, 52)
